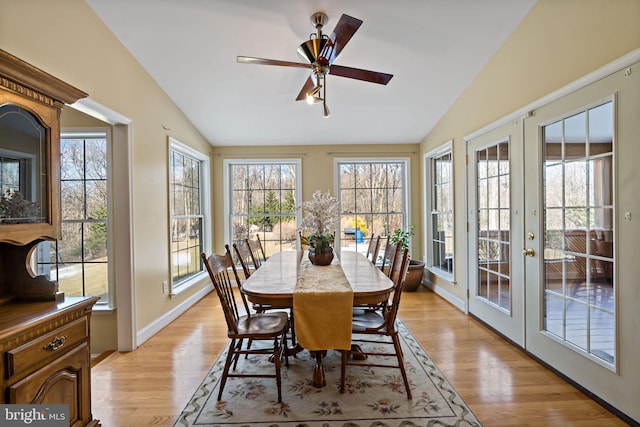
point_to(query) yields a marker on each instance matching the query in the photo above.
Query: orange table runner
(322, 306)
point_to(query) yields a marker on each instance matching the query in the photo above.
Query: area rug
(373, 397)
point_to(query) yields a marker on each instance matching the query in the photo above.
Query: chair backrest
(398, 274)
(374, 247)
(219, 268)
(243, 257)
(389, 257)
(257, 253)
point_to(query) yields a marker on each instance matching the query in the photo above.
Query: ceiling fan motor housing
(311, 49)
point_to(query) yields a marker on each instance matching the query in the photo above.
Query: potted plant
(319, 217)
(401, 238)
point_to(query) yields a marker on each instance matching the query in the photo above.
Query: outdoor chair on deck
(270, 326)
(375, 325)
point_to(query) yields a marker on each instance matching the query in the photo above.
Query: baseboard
(157, 325)
(97, 358)
(447, 296)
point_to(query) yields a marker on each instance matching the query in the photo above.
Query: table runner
(322, 306)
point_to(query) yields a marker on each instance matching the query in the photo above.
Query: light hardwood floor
(502, 385)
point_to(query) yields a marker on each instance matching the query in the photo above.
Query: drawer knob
(56, 343)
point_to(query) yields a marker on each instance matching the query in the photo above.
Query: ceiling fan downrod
(312, 49)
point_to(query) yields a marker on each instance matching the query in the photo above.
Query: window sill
(103, 309)
(187, 284)
(442, 275)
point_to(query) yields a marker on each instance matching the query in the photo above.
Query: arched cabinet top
(30, 104)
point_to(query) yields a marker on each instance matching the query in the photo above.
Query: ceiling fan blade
(308, 85)
(262, 61)
(342, 33)
(360, 74)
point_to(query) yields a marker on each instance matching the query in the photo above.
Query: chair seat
(261, 325)
(364, 320)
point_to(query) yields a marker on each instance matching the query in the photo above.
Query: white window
(189, 219)
(439, 236)
(373, 197)
(261, 199)
(80, 260)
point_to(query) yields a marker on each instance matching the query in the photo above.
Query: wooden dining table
(288, 280)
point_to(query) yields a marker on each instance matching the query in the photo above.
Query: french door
(573, 190)
(553, 239)
(494, 186)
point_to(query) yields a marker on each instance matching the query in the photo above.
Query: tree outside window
(79, 261)
(186, 215)
(439, 201)
(373, 200)
(262, 198)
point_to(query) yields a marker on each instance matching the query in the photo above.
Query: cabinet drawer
(50, 345)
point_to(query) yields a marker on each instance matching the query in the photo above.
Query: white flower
(319, 216)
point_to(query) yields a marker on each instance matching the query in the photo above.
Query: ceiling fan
(320, 51)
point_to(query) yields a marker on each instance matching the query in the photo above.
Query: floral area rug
(373, 397)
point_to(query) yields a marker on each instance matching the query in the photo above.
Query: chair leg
(293, 329)
(396, 345)
(276, 357)
(237, 356)
(343, 366)
(285, 350)
(227, 365)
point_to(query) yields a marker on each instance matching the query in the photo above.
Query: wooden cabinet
(30, 105)
(46, 357)
(45, 342)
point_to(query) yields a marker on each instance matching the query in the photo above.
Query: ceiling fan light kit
(320, 51)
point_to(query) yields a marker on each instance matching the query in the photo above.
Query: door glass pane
(575, 143)
(493, 194)
(579, 262)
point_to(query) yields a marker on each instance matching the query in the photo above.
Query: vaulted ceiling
(433, 48)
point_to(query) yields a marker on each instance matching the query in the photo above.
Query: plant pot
(414, 275)
(322, 257)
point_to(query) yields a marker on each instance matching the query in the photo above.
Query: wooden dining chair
(391, 254)
(374, 326)
(271, 326)
(372, 250)
(243, 257)
(257, 251)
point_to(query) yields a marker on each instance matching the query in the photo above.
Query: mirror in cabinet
(30, 104)
(23, 167)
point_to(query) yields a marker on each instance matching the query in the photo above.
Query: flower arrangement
(319, 218)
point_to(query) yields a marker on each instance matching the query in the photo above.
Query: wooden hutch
(44, 335)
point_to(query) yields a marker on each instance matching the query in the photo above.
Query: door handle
(528, 252)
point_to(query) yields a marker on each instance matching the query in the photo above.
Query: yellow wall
(556, 43)
(66, 39)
